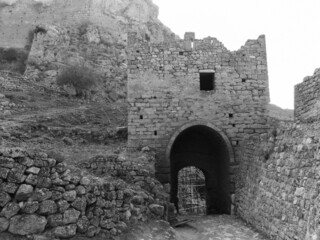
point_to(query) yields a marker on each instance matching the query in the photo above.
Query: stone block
(83, 224)
(33, 170)
(80, 204)
(4, 172)
(8, 187)
(4, 198)
(70, 196)
(30, 207)
(24, 192)
(65, 231)
(16, 176)
(32, 179)
(27, 224)
(10, 210)
(70, 216)
(48, 207)
(55, 220)
(4, 224)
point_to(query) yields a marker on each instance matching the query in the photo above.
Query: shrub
(10, 55)
(83, 28)
(82, 78)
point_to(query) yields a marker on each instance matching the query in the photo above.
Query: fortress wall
(307, 98)
(40, 194)
(277, 189)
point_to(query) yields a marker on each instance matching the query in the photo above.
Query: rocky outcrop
(116, 17)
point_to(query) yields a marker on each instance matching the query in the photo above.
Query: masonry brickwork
(164, 89)
(307, 98)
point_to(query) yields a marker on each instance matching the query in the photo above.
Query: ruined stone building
(194, 101)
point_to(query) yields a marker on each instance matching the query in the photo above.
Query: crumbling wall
(164, 92)
(277, 187)
(39, 194)
(307, 98)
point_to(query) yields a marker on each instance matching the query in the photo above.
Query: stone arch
(203, 145)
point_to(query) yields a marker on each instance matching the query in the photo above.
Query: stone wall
(40, 195)
(12, 82)
(139, 171)
(278, 182)
(164, 89)
(307, 98)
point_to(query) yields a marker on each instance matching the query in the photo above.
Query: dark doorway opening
(204, 148)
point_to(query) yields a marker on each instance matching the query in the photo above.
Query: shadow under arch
(206, 147)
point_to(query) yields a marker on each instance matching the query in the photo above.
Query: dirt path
(222, 227)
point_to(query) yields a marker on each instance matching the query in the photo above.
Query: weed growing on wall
(82, 78)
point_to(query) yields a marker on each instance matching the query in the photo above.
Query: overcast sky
(291, 27)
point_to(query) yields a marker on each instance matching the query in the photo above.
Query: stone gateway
(195, 101)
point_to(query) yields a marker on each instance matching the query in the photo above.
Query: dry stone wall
(164, 89)
(278, 182)
(12, 82)
(39, 194)
(307, 98)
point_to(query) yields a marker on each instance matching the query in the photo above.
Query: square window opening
(206, 81)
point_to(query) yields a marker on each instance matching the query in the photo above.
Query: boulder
(27, 224)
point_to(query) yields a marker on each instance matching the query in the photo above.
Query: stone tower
(194, 101)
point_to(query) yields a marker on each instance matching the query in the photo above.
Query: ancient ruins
(197, 120)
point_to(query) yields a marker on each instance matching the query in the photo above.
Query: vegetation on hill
(280, 113)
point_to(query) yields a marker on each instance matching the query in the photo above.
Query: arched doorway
(208, 149)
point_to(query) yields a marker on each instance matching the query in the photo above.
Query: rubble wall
(39, 194)
(307, 99)
(277, 188)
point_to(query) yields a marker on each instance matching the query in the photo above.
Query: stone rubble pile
(39, 194)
